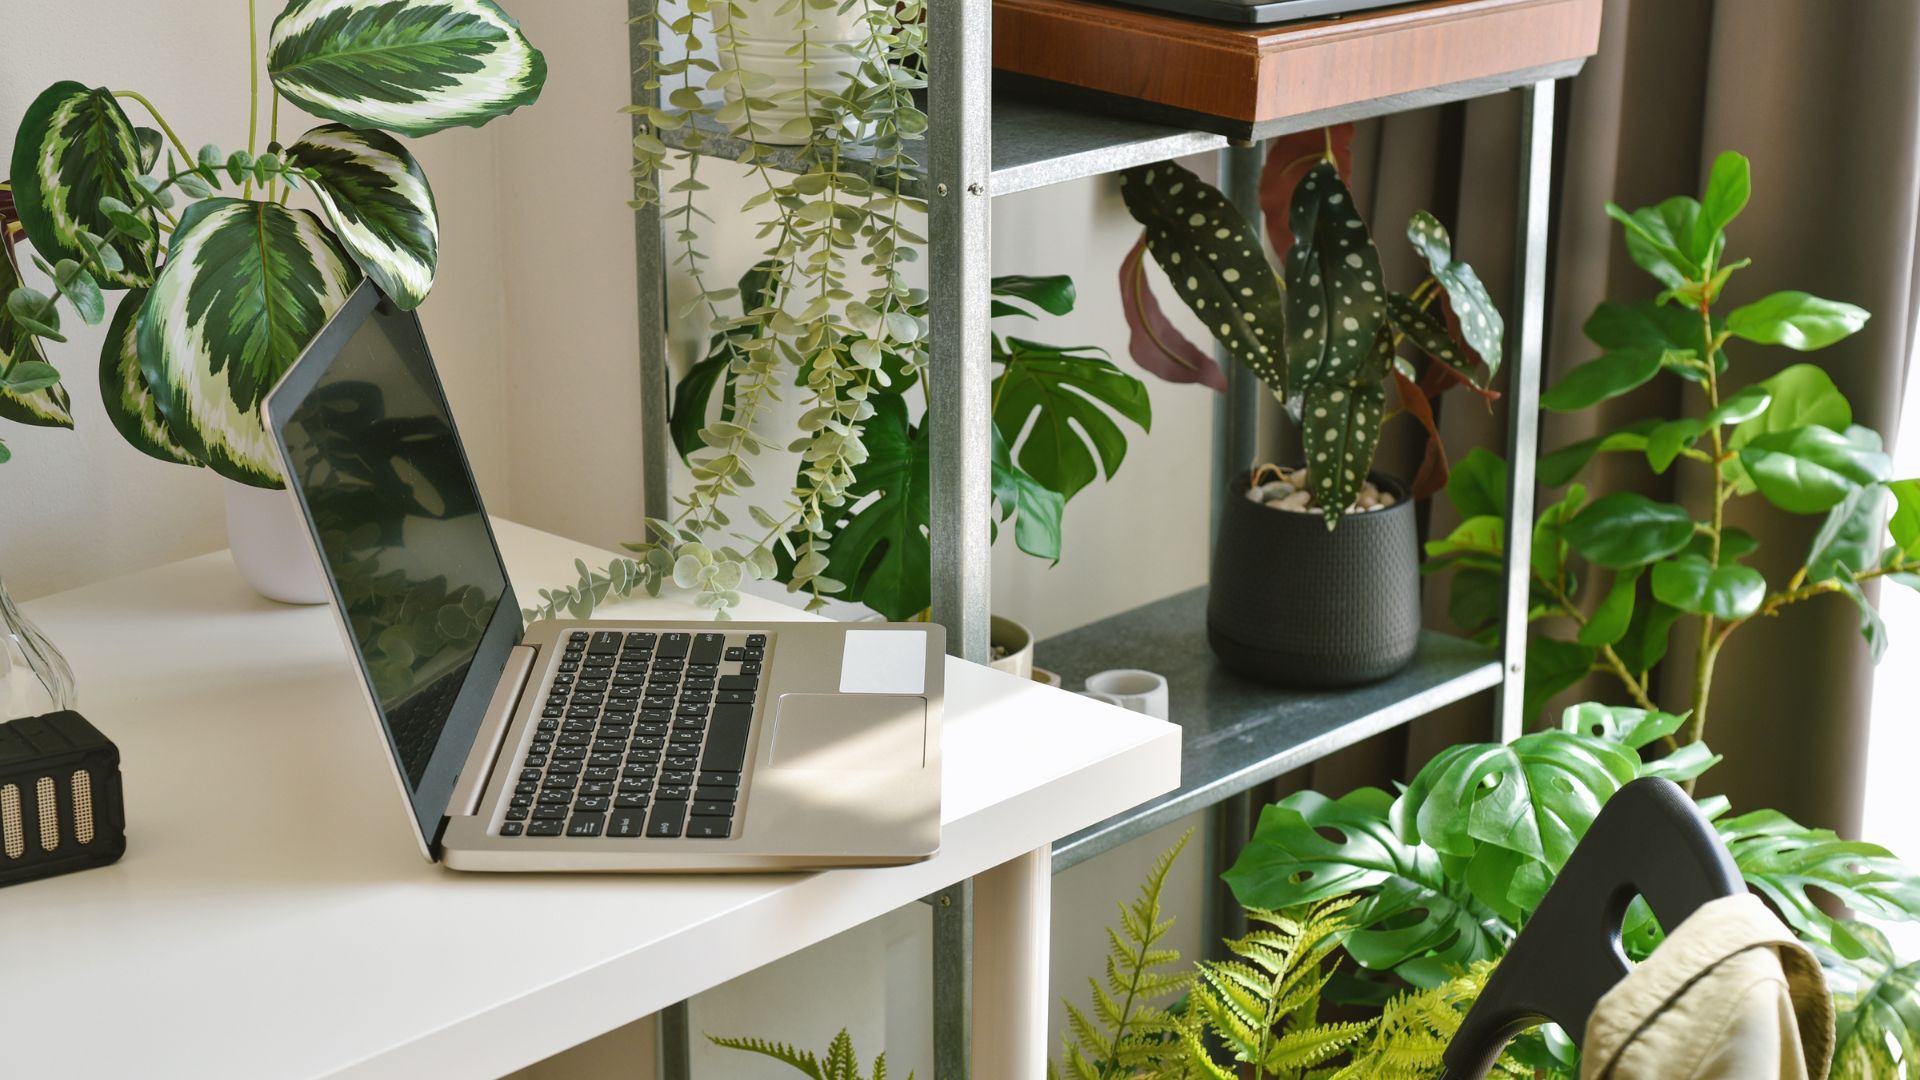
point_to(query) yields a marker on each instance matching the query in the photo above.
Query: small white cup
(1131, 688)
(1110, 699)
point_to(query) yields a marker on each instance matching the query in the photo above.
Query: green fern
(841, 1062)
(1410, 1038)
(1263, 1005)
(1132, 1032)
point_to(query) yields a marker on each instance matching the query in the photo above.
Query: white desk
(272, 916)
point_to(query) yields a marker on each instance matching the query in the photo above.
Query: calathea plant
(222, 282)
(1789, 439)
(1324, 333)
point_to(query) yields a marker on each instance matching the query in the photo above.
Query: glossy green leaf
(1797, 320)
(1549, 547)
(1849, 540)
(1673, 330)
(1215, 263)
(124, 391)
(1877, 1001)
(1560, 466)
(48, 407)
(1782, 859)
(1610, 620)
(1484, 535)
(1666, 442)
(1873, 629)
(1692, 584)
(1660, 239)
(1598, 380)
(1071, 391)
(1053, 294)
(1553, 667)
(151, 144)
(1648, 633)
(376, 197)
(1429, 333)
(1308, 847)
(1802, 394)
(1809, 470)
(1339, 432)
(1729, 186)
(1476, 599)
(411, 68)
(75, 148)
(1036, 511)
(34, 312)
(1628, 726)
(1477, 485)
(1480, 322)
(1627, 529)
(1743, 405)
(246, 286)
(881, 551)
(1336, 297)
(1905, 523)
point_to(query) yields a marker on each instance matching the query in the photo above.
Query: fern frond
(802, 1061)
(1315, 1045)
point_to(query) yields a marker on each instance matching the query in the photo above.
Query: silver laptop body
(595, 745)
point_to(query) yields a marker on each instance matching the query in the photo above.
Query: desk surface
(273, 917)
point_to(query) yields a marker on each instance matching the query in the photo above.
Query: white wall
(81, 505)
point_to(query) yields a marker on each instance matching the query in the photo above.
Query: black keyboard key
(604, 745)
(556, 796)
(563, 768)
(715, 793)
(673, 645)
(734, 697)
(659, 728)
(671, 793)
(623, 706)
(584, 712)
(553, 712)
(668, 665)
(755, 652)
(568, 667)
(736, 654)
(512, 828)
(706, 648)
(739, 682)
(550, 813)
(575, 738)
(690, 723)
(709, 828)
(648, 742)
(719, 779)
(757, 641)
(636, 785)
(597, 787)
(639, 771)
(549, 725)
(629, 680)
(563, 680)
(530, 774)
(727, 738)
(527, 787)
(697, 697)
(631, 823)
(751, 668)
(562, 783)
(691, 708)
(703, 671)
(630, 802)
(601, 760)
(586, 824)
(712, 809)
(667, 817)
(686, 742)
(646, 759)
(579, 637)
(605, 642)
(631, 667)
(546, 828)
(592, 804)
(642, 639)
(522, 800)
(534, 761)
(658, 701)
(518, 813)
(566, 754)
(674, 776)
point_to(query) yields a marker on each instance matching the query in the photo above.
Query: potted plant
(222, 281)
(1316, 570)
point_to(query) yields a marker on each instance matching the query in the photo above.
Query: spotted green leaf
(377, 199)
(124, 390)
(46, 407)
(1429, 333)
(1215, 262)
(412, 67)
(74, 149)
(1339, 431)
(1335, 298)
(245, 288)
(1480, 322)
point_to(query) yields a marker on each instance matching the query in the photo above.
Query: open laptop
(662, 746)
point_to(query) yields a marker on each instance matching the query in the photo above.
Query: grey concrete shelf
(1034, 145)
(1239, 733)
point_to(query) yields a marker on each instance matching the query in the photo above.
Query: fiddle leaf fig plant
(1324, 332)
(222, 282)
(1624, 571)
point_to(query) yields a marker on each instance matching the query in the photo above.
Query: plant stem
(253, 91)
(1614, 665)
(158, 119)
(1709, 648)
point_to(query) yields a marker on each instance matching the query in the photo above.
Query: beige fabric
(1728, 996)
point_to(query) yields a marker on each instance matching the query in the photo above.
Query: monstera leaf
(1480, 321)
(1308, 848)
(74, 148)
(1035, 510)
(412, 67)
(1215, 262)
(377, 199)
(1335, 299)
(246, 286)
(880, 552)
(47, 406)
(1782, 859)
(1067, 388)
(124, 390)
(1877, 1029)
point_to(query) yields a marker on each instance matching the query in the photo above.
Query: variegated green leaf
(376, 196)
(1340, 429)
(74, 148)
(245, 288)
(1335, 299)
(1480, 322)
(1215, 262)
(48, 406)
(124, 390)
(1429, 333)
(408, 66)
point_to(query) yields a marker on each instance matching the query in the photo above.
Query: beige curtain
(1824, 97)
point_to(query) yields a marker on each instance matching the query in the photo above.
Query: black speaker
(60, 805)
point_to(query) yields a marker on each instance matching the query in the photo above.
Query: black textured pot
(1293, 604)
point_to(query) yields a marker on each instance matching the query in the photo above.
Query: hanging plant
(218, 298)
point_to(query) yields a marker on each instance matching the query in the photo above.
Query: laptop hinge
(493, 732)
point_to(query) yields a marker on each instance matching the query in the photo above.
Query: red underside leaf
(1153, 341)
(1433, 464)
(1289, 158)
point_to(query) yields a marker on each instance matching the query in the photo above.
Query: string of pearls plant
(808, 321)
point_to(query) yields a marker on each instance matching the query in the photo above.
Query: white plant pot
(760, 42)
(271, 546)
(1017, 640)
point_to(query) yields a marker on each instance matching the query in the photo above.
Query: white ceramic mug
(1131, 688)
(1110, 699)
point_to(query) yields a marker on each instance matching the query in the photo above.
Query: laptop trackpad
(844, 732)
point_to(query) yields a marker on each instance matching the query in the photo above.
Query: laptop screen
(372, 454)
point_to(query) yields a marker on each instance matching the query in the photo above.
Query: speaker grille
(82, 794)
(13, 832)
(49, 811)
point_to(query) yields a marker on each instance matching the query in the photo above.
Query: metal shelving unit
(1238, 734)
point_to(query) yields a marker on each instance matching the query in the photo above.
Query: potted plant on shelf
(1316, 571)
(220, 292)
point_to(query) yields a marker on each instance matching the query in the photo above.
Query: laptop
(1264, 12)
(596, 745)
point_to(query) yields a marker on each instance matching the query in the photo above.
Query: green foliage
(225, 291)
(1263, 1004)
(1325, 332)
(1410, 1039)
(841, 1063)
(1877, 1022)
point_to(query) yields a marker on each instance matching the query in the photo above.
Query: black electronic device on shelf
(1263, 12)
(60, 803)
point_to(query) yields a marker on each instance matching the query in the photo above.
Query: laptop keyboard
(641, 734)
